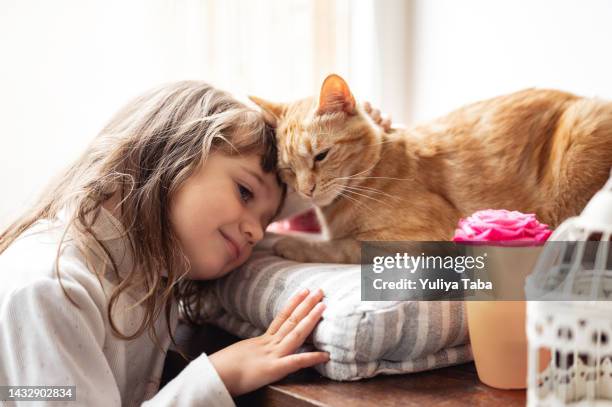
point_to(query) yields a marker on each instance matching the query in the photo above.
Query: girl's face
(221, 211)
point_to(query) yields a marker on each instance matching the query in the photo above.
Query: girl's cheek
(230, 209)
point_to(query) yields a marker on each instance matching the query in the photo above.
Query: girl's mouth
(232, 245)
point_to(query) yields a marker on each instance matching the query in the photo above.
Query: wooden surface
(451, 386)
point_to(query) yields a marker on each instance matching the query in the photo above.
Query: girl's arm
(46, 340)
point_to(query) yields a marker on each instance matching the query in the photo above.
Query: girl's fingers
(376, 115)
(299, 313)
(287, 311)
(386, 124)
(298, 335)
(295, 362)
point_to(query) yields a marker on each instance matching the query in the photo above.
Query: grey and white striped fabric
(364, 339)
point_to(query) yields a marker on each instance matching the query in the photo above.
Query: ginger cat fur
(536, 151)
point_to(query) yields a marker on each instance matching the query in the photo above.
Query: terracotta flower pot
(498, 328)
(499, 342)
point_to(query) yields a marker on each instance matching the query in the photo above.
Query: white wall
(67, 66)
(472, 49)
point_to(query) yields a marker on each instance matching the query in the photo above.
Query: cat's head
(326, 145)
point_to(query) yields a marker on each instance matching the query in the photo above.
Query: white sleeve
(46, 341)
(197, 385)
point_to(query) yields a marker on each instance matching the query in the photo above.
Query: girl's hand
(379, 119)
(253, 363)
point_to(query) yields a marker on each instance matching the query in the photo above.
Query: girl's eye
(321, 156)
(245, 194)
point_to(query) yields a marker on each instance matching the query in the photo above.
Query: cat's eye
(321, 156)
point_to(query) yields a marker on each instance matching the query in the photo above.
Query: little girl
(173, 192)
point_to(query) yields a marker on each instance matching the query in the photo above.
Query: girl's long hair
(148, 149)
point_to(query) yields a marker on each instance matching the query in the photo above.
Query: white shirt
(47, 341)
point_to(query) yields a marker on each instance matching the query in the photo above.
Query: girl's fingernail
(304, 291)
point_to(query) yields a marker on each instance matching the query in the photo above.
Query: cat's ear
(335, 96)
(272, 112)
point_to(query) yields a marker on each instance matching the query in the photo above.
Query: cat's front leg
(332, 251)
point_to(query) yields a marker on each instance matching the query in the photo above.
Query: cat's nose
(311, 192)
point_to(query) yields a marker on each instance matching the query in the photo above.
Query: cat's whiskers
(398, 179)
(368, 197)
(359, 173)
(369, 189)
(387, 204)
(343, 193)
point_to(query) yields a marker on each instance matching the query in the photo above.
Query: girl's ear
(335, 96)
(272, 112)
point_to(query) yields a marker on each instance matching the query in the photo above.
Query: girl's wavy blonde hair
(145, 153)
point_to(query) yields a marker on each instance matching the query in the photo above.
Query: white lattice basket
(570, 329)
(570, 353)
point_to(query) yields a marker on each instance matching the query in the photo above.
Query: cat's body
(535, 151)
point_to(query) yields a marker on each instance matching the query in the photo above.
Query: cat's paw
(291, 249)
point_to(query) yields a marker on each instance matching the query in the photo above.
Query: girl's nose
(252, 229)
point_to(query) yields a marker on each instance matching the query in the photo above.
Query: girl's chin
(209, 273)
(229, 267)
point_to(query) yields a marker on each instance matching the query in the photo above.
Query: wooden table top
(451, 386)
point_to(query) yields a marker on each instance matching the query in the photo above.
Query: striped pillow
(363, 338)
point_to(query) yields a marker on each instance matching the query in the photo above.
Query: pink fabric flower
(506, 228)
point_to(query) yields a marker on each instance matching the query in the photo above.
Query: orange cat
(538, 151)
